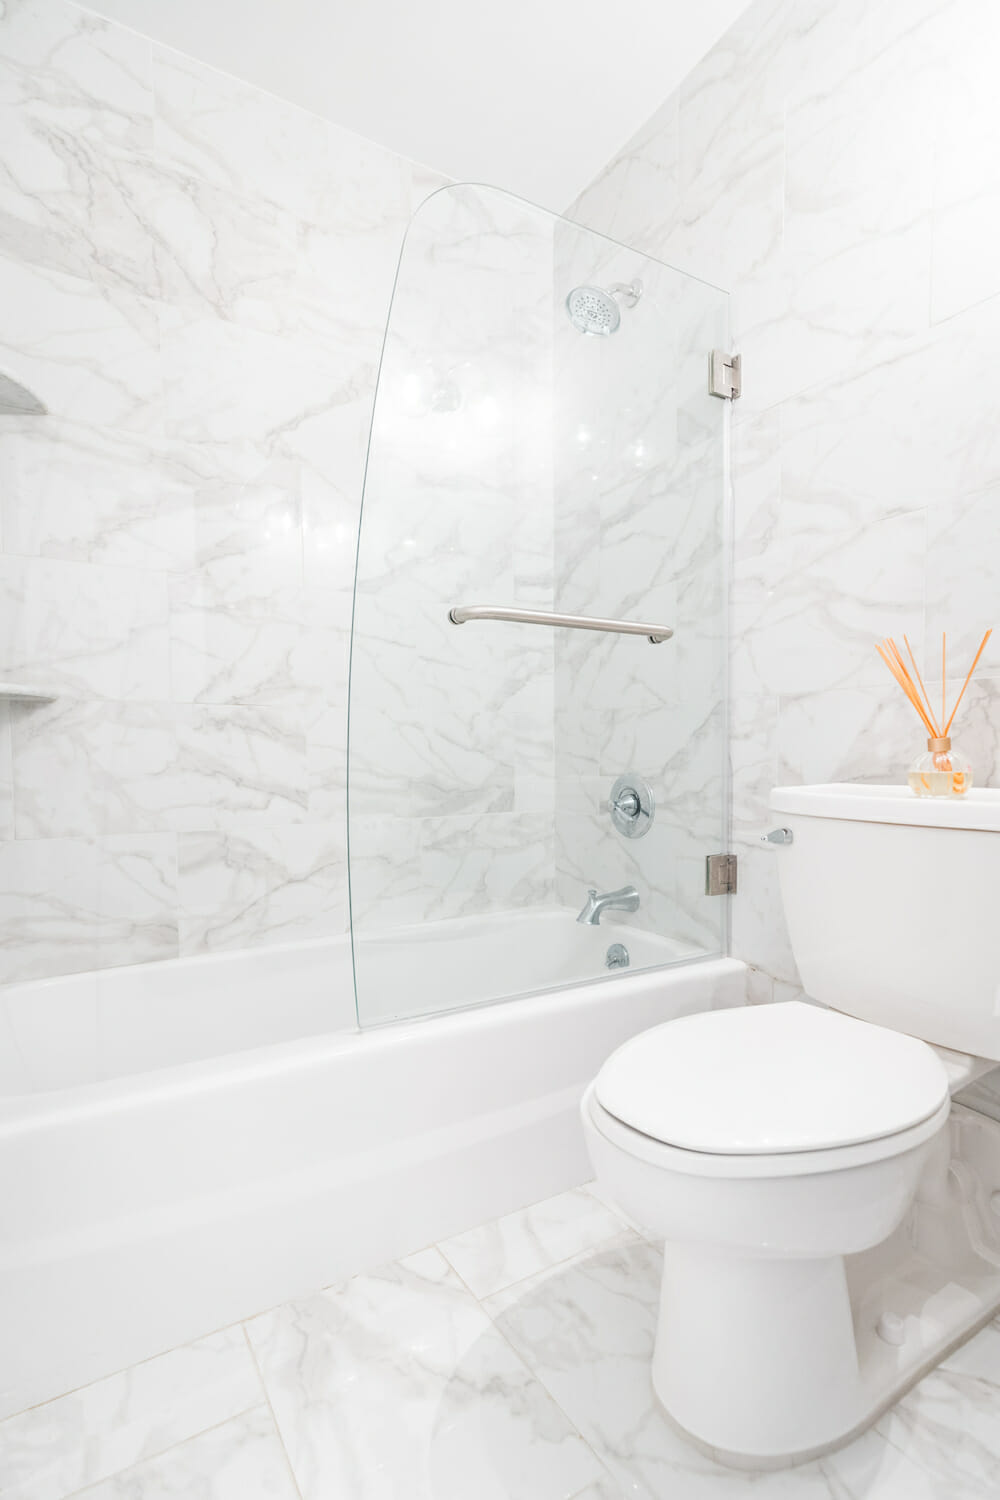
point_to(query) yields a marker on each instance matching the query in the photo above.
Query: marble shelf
(23, 690)
(16, 400)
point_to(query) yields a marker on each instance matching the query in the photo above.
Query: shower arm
(463, 612)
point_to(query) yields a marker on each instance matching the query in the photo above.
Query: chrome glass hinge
(720, 875)
(725, 375)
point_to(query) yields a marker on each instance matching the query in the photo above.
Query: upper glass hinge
(725, 375)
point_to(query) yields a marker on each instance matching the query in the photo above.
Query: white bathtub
(184, 1144)
(471, 960)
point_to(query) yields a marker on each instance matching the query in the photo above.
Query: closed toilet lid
(771, 1078)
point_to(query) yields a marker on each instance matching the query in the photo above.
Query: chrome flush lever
(778, 836)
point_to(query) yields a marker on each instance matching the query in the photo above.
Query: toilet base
(811, 1353)
(756, 1355)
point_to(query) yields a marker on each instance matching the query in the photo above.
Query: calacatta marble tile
(260, 886)
(77, 122)
(241, 1460)
(83, 72)
(862, 733)
(236, 137)
(603, 1489)
(957, 529)
(758, 927)
(947, 1426)
(397, 1384)
(966, 179)
(90, 768)
(68, 905)
(90, 353)
(82, 493)
(6, 772)
(227, 383)
(492, 862)
(586, 1329)
(78, 1440)
(237, 639)
(830, 585)
(234, 255)
(495, 1255)
(86, 630)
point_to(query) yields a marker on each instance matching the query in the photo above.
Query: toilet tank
(893, 907)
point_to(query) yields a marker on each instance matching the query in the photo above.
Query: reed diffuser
(943, 771)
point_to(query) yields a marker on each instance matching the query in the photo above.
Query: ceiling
(534, 96)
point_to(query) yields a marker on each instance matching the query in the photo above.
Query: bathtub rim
(55, 1108)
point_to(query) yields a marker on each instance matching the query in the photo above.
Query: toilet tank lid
(768, 1079)
(978, 810)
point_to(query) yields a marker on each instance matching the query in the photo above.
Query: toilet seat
(767, 1083)
(779, 1164)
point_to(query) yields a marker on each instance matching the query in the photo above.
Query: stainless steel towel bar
(463, 612)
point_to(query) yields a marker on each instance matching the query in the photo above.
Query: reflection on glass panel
(544, 440)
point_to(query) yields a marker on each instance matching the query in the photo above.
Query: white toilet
(767, 1144)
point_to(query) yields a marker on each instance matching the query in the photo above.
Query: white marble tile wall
(639, 450)
(452, 769)
(832, 163)
(195, 278)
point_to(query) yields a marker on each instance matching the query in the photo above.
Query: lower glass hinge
(720, 875)
(725, 375)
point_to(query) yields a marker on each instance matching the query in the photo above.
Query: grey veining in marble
(195, 279)
(398, 1383)
(865, 305)
(242, 1459)
(83, 1438)
(401, 1383)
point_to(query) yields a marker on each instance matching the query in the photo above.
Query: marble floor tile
(402, 1385)
(397, 1385)
(949, 1425)
(603, 1196)
(240, 1460)
(601, 1489)
(495, 1255)
(80, 1439)
(586, 1330)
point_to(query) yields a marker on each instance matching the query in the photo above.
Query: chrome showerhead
(593, 311)
(597, 312)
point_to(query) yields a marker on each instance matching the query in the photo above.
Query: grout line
(537, 1376)
(77, 1390)
(553, 1265)
(626, 1224)
(627, 1236)
(607, 1475)
(274, 1419)
(148, 1458)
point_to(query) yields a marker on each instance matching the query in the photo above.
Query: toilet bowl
(769, 1145)
(760, 1179)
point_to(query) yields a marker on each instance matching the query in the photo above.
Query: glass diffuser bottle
(943, 771)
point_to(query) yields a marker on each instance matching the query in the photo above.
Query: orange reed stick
(909, 686)
(965, 684)
(890, 655)
(944, 677)
(902, 675)
(930, 712)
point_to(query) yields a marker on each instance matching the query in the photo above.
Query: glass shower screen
(543, 442)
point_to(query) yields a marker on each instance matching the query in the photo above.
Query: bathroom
(443, 560)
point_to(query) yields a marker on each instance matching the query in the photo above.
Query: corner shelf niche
(23, 691)
(16, 400)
